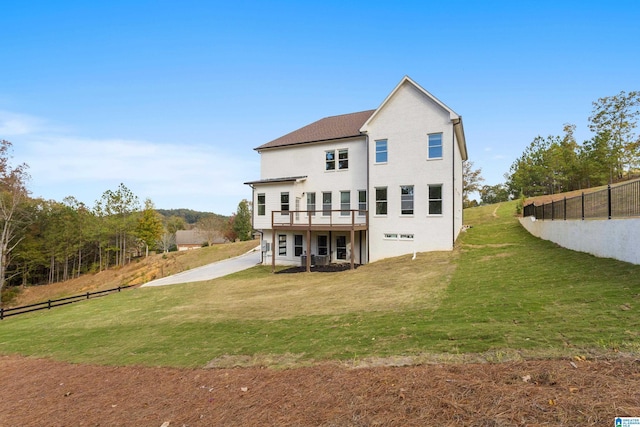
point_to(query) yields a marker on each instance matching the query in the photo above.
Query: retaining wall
(607, 238)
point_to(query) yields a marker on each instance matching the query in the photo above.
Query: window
(322, 245)
(381, 200)
(341, 247)
(297, 244)
(390, 236)
(406, 199)
(345, 202)
(326, 204)
(330, 160)
(362, 202)
(406, 237)
(282, 244)
(381, 151)
(435, 199)
(435, 146)
(343, 159)
(261, 204)
(284, 203)
(311, 203)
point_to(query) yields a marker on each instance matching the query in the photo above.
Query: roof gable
(329, 128)
(408, 80)
(454, 117)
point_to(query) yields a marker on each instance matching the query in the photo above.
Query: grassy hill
(139, 271)
(502, 294)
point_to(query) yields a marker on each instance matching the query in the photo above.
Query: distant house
(193, 239)
(360, 187)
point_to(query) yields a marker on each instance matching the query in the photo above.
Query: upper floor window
(435, 199)
(345, 202)
(284, 203)
(330, 159)
(435, 146)
(406, 200)
(261, 204)
(381, 151)
(343, 159)
(381, 200)
(311, 203)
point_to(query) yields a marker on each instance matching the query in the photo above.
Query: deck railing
(321, 218)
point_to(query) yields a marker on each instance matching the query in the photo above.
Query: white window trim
(376, 214)
(429, 214)
(413, 202)
(441, 145)
(338, 168)
(375, 152)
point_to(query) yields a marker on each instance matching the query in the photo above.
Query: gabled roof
(329, 128)
(455, 118)
(407, 79)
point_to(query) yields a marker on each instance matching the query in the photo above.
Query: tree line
(558, 164)
(47, 241)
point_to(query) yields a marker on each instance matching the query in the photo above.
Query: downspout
(367, 234)
(456, 129)
(453, 181)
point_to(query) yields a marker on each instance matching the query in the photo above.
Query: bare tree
(13, 200)
(211, 227)
(471, 179)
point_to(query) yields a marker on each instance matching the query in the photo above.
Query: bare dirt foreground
(36, 392)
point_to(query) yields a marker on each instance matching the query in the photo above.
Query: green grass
(501, 293)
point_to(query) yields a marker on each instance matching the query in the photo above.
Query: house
(364, 186)
(194, 239)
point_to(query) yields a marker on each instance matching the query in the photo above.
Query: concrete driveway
(211, 271)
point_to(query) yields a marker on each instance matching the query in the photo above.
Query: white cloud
(12, 124)
(198, 177)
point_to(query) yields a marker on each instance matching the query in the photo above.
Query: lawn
(501, 294)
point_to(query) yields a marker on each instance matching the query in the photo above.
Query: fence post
(582, 214)
(1, 313)
(49, 304)
(564, 209)
(553, 210)
(88, 294)
(609, 201)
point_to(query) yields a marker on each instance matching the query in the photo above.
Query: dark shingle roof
(334, 127)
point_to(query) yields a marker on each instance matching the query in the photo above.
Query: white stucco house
(360, 187)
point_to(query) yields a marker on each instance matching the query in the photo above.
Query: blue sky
(171, 97)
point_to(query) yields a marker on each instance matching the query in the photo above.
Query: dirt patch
(490, 257)
(551, 392)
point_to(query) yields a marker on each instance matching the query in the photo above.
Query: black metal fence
(47, 305)
(620, 201)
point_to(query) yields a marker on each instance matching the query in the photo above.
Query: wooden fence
(49, 304)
